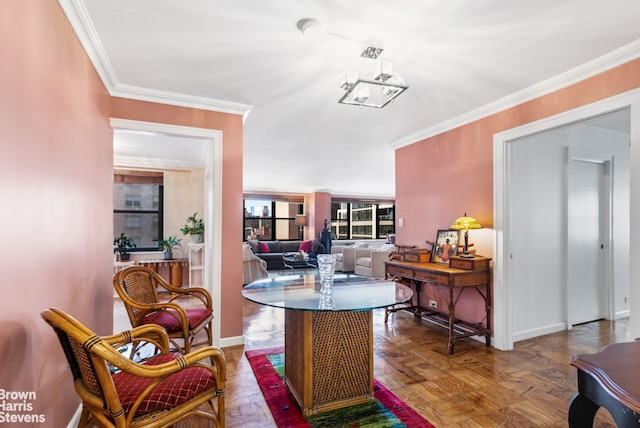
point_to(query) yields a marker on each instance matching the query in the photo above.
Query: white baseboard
(73, 423)
(622, 314)
(540, 331)
(231, 341)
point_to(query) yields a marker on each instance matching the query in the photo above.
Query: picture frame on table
(445, 246)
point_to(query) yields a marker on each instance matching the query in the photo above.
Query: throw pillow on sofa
(263, 247)
(305, 246)
(254, 244)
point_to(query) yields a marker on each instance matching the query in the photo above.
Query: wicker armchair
(138, 286)
(156, 393)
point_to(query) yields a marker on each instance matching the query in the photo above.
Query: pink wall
(440, 178)
(319, 208)
(56, 175)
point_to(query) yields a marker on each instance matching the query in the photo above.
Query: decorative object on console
(376, 91)
(122, 245)
(167, 246)
(194, 227)
(301, 222)
(446, 245)
(465, 223)
(469, 263)
(417, 255)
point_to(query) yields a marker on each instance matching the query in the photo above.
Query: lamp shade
(465, 223)
(301, 220)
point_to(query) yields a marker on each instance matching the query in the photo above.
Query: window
(272, 219)
(132, 201)
(362, 220)
(138, 207)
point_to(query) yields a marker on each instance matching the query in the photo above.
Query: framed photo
(445, 246)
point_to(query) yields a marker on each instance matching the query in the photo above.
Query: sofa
(347, 252)
(271, 251)
(372, 264)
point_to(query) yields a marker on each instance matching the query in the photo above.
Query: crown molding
(83, 27)
(606, 62)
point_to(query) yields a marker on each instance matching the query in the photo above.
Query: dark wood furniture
(451, 284)
(609, 379)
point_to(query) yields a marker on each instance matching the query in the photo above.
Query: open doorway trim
(502, 300)
(212, 200)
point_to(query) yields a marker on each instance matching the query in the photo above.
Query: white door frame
(212, 201)
(502, 295)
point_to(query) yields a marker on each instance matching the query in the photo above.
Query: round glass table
(328, 349)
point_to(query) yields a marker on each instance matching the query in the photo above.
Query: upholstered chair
(372, 264)
(186, 316)
(346, 255)
(253, 267)
(157, 392)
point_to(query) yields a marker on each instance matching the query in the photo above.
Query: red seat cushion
(172, 391)
(169, 319)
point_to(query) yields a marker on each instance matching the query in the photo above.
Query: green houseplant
(122, 245)
(168, 245)
(194, 227)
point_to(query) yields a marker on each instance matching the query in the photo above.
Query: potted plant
(168, 245)
(194, 227)
(122, 245)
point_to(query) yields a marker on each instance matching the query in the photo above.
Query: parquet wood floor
(475, 387)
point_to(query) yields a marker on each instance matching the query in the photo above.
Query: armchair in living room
(372, 264)
(253, 267)
(346, 256)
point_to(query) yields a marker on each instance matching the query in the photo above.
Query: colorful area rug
(386, 411)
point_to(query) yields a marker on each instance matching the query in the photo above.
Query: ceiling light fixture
(311, 28)
(378, 91)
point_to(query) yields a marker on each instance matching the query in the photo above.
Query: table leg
(175, 273)
(582, 411)
(329, 358)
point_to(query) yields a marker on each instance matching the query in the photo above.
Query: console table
(175, 268)
(450, 283)
(609, 379)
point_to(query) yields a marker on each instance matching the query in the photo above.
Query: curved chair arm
(199, 292)
(151, 333)
(103, 350)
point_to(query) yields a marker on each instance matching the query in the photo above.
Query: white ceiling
(461, 59)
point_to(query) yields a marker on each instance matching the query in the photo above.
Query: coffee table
(328, 348)
(295, 261)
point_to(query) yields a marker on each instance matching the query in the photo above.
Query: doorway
(588, 244)
(525, 308)
(211, 161)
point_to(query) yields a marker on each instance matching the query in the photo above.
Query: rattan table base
(329, 358)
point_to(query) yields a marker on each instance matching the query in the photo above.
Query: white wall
(537, 171)
(183, 195)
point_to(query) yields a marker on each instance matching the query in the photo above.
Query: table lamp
(301, 222)
(465, 223)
